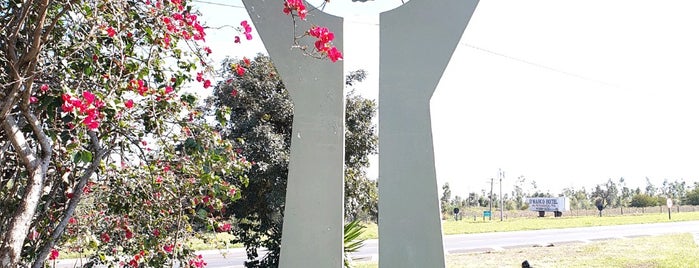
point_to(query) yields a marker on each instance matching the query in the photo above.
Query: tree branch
(100, 153)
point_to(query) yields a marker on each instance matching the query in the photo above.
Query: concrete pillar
(313, 216)
(417, 41)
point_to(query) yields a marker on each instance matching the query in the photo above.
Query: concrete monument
(313, 217)
(417, 41)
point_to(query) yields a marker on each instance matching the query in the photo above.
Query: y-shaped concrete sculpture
(417, 41)
(313, 217)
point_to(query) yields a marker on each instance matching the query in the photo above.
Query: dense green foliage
(259, 111)
(98, 142)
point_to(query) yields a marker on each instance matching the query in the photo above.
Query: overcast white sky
(566, 93)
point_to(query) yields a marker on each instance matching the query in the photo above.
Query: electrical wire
(217, 4)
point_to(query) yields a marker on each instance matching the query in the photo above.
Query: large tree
(96, 139)
(259, 112)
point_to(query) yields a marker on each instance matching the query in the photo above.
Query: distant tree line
(611, 194)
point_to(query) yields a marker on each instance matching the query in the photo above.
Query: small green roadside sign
(486, 213)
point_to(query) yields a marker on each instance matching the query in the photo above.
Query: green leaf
(86, 156)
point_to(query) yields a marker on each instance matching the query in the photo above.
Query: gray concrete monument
(313, 217)
(417, 41)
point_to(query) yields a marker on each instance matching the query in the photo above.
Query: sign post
(486, 213)
(669, 211)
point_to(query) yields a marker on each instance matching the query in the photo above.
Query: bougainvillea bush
(101, 150)
(98, 140)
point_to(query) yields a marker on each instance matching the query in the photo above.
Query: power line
(538, 65)
(217, 4)
(462, 43)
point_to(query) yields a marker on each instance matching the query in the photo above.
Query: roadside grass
(222, 240)
(676, 250)
(467, 226)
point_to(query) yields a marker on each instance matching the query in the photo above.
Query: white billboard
(548, 204)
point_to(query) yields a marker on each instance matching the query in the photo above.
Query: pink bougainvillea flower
(334, 54)
(88, 96)
(98, 103)
(246, 61)
(33, 99)
(111, 32)
(240, 70)
(295, 5)
(224, 227)
(200, 77)
(168, 248)
(129, 103)
(44, 88)
(237, 40)
(105, 237)
(128, 234)
(156, 232)
(168, 89)
(54, 254)
(207, 83)
(207, 50)
(72, 220)
(198, 262)
(234, 92)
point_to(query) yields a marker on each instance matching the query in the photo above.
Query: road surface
(486, 241)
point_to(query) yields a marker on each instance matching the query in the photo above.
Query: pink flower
(295, 5)
(88, 96)
(111, 32)
(54, 254)
(334, 54)
(156, 232)
(105, 237)
(234, 92)
(198, 262)
(128, 234)
(44, 88)
(129, 103)
(168, 248)
(240, 70)
(224, 227)
(200, 77)
(72, 220)
(207, 50)
(207, 83)
(33, 99)
(246, 61)
(237, 40)
(168, 89)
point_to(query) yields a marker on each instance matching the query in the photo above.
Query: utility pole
(491, 200)
(502, 175)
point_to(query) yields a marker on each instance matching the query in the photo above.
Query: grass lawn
(677, 250)
(467, 226)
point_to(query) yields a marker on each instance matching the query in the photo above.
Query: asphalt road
(487, 241)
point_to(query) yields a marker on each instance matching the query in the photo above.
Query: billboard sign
(548, 204)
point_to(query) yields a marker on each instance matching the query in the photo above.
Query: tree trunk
(11, 247)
